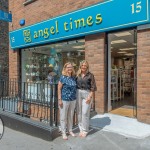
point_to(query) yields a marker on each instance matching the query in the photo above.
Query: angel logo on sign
(27, 36)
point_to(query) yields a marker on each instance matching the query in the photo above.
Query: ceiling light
(118, 41)
(72, 42)
(79, 46)
(131, 48)
(58, 45)
(121, 52)
(129, 54)
(122, 49)
(82, 40)
(122, 34)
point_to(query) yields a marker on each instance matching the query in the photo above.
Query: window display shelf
(114, 84)
(36, 67)
(121, 83)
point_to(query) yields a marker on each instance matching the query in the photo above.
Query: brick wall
(44, 9)
(143, 76)
(4, 42)
(38, 11)
(94, 54)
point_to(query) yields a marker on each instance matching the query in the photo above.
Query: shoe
(64, 137)
(72, 134)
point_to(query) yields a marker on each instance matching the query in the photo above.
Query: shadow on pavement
(96, 124)
(100, 122)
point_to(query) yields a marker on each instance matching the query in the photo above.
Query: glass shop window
(45, 63)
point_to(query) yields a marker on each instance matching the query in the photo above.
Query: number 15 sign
(128, 13)
(5, 16)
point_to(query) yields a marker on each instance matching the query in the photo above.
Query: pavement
(98, 139)
(126, 126)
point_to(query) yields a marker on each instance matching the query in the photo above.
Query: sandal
(72, 134)
(84, 134)
(64, 137)
(80, 134)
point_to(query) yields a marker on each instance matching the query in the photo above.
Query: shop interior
(38, 62)
(123, 49)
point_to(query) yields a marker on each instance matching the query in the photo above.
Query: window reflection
(45, 63)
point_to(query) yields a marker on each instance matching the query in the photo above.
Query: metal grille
(37, 101)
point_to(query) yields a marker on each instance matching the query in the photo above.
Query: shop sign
(102, 17)
(5, 16)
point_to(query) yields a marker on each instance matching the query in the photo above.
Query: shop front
(122, 72)
(110, 45)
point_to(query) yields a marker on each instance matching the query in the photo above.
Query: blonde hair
(81, 63)
(64, 69)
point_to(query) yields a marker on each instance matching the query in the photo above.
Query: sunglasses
(69, 67)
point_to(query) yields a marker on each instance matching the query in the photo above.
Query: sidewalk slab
(128, 127)
(29, 126)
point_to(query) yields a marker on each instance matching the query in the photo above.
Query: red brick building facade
(4, 29)
(95, 49)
